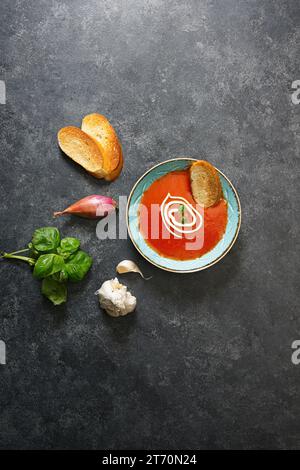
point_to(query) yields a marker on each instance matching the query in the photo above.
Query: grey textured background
(205, 362)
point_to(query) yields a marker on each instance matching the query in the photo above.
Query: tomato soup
(173, 224)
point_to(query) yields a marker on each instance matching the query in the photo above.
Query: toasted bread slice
(100, 129)
(205, 183)
(81, 148)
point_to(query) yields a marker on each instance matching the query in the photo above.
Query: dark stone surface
(205, 362)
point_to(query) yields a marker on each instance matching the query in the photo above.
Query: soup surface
(173, 224)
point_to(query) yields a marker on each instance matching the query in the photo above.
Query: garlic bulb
(115, 299)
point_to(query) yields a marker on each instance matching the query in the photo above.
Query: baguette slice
(99, 128)
(81, 148)
(205, 183)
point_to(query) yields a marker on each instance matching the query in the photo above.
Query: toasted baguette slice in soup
(100, 129)
(205, 183)
(81, 148)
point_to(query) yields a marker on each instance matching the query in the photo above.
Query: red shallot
(90, 207)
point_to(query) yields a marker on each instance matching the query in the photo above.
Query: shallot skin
(90, 207)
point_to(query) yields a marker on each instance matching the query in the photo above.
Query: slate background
(205, 362)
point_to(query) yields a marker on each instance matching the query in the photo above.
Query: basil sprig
(54, 261)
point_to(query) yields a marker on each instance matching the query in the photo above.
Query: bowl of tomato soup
(170, 229)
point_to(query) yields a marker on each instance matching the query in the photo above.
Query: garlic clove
(128, 266)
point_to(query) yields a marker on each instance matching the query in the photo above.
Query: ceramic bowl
(182, 266)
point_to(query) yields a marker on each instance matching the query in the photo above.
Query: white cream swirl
(170, 209)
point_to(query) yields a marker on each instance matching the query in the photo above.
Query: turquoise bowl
(178, 266)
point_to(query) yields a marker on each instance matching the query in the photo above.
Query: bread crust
(82, 149)
(205, 183)
(101, 131)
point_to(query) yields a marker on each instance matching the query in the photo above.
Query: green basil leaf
(47, 265)
(69, 245)
(46, 239)
(62, 253)
(78, 265)
(54, 291)
(61, 276)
